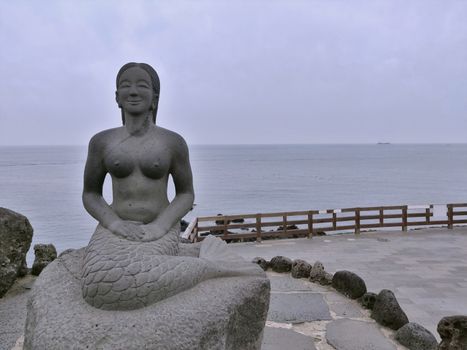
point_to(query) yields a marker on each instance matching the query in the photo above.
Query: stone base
(222, 313)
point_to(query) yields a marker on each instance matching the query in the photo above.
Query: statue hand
(152, 232)
(131, 230)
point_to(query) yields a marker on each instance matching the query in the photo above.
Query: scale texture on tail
(119, 274)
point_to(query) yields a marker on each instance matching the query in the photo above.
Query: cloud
(239, 72)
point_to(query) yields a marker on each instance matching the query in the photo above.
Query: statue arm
(184, 194)
(94, 175)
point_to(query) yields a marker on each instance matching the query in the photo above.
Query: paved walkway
(305, 315)
(426, 269)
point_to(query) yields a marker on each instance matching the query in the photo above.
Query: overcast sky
(239, 71)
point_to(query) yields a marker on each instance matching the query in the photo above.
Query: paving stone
(345, 334)
(298, 307)
(287, 283)
(346, 309)
(280, 339)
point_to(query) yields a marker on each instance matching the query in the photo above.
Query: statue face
(134, 91)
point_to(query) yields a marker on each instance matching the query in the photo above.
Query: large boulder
(280, 264)
(349, 284)
(300, 269)
(15, 240)
(416, 337)
(45, 254)
(220, 313)
(453, 332)
(387, 311)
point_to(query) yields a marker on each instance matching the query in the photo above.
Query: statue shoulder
(103, 138)
(174, 140)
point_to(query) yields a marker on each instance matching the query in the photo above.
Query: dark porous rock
(290, 227)
(368, 300)
(280, 264)
(183, 225)
(45, 254)
(387, 311)
(320, 233)
(326, 279)
(261, 262)
(349, 284)
(15, 240)
(317, 272)
(238, 220)
(416, 337)
(453, 332)
(300, 269)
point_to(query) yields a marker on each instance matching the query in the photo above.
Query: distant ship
(383, 143)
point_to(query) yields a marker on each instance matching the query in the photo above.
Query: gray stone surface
(346, 309)
(285, 283)
(15, 240)
(13, 312)
(280, 264)
(345, 334)
(44, 255)
(349, 284)
(300, 269)
(453, 332)
(387, 311)
(416, 337)
(280, 339)
(297, 307)
(227, 313)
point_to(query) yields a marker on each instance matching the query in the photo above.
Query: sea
(44, 183)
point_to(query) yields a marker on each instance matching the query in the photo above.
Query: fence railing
(309, 223)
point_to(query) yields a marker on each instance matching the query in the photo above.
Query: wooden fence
(247, 227)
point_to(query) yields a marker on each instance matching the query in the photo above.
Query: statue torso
(139, 166)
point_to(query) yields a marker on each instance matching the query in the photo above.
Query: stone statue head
(154, 80)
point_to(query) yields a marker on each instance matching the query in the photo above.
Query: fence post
(258, 227)
(450, 216)
(284, 223)
(381, 217)
(404, 218)
(195, 239)
(334, 221)
(225, 228)
(427, 215)
(310, 225)
(357, 221)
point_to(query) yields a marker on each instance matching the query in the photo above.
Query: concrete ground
(426, 269)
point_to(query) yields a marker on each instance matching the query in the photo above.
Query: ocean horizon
(44, 183)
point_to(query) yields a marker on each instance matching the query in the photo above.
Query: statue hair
(156, 85)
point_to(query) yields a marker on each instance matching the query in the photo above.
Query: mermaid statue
(134, 258)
